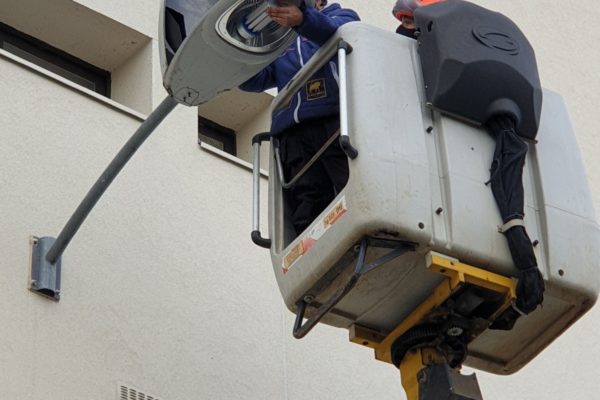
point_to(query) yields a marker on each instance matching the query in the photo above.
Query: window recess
(55, 60)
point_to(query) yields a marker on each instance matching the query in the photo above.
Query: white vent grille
(131, 393)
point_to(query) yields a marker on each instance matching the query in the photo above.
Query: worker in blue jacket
(312, 116)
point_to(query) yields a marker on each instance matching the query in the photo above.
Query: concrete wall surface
(162, 289)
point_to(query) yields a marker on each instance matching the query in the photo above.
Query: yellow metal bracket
(458, 274)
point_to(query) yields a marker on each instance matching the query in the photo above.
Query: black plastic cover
(477, 64)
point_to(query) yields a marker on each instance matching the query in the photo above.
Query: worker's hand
(408, 22)
(286, 15)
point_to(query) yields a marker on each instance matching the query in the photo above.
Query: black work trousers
(323, 180)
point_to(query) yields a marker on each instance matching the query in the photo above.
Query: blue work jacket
(319, 97)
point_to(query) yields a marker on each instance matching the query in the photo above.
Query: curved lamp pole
(47, 251)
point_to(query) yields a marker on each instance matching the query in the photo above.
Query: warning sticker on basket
(314, 234)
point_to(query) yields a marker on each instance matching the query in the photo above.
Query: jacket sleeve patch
(315, 89)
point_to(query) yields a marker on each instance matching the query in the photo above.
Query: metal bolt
(535, 243)
(429, 129)
(309, 298)
(454, 331)
(439, 210)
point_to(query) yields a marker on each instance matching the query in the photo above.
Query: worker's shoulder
(336, 10)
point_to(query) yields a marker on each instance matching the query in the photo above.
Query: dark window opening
(218, 136)
(54, 60)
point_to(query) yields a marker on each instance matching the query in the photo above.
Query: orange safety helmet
(405, 8)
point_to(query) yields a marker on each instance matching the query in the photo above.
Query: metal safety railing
(282, 101)
(358, 252)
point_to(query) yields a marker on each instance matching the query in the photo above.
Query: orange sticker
(291, 257)
(314, 234)
(334, 214)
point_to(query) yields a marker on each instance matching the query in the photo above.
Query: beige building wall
(162, 289)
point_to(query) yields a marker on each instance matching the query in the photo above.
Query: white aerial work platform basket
(418, 185)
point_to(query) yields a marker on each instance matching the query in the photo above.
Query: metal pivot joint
(430, 344)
